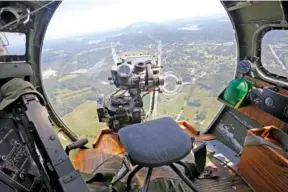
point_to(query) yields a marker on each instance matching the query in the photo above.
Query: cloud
(76, 17)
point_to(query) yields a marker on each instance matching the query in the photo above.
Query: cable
(39, 4)
(234, 171)
(116, 92)
(22, 17)
(145, 94)
(110, 158)
(123, 93)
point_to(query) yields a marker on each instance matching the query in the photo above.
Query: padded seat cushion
(155, 143)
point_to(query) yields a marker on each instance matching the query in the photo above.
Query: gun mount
(134, 81)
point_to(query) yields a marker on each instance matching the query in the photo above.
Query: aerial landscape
(199, 51)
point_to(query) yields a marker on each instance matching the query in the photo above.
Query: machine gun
(126, 108)
(36, 131)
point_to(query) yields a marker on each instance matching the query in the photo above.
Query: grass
(173, 107)
(66, 94)
(83, 121)
(208, 104)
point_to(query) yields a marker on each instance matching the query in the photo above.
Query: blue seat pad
(155, 143)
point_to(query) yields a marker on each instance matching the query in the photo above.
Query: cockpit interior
(95, 99)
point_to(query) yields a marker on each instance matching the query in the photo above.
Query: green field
(67, 94)
(208, 105)
(171, 106)
(83, 121)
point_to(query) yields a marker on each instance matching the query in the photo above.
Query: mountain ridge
(147, 26)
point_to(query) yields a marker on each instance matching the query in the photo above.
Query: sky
(77, 17)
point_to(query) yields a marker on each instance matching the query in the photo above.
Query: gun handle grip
(77, 144)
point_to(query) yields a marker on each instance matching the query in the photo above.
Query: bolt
(52, 137)
(269, 101)
(21, 176)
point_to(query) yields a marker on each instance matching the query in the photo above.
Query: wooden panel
(260, 116)
(107, 147)
(264, 168)
(88, 160)
(192, 132)
(108, 142)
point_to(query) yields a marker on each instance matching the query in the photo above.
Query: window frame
(257, 53)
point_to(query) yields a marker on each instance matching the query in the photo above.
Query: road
(277, 58)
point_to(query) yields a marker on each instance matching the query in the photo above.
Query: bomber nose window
(192, 41)
(274, 55)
